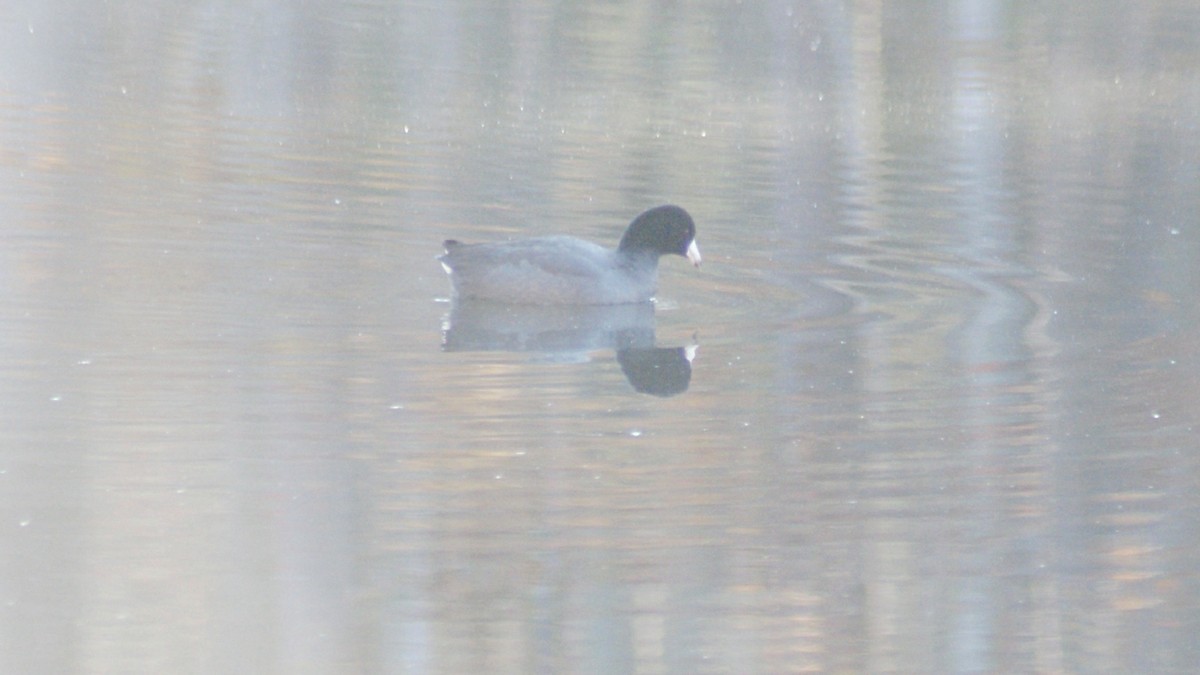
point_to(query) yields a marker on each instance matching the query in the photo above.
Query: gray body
(557, 270)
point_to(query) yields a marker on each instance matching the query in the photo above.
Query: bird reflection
(480, 325)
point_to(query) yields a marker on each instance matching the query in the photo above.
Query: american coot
(563, 270)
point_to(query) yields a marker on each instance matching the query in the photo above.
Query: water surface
(941, 407)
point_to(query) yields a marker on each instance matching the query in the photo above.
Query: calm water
(942, 405)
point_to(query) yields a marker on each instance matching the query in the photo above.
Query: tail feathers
(449, 245)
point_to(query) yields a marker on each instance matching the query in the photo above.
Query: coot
(562, 270)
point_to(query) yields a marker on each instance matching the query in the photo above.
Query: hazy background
(941, 417)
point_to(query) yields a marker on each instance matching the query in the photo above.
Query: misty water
(930, 404)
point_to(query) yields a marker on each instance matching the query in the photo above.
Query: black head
(662, 230)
